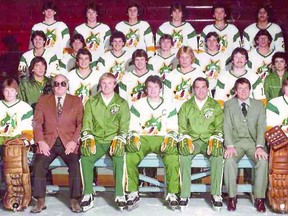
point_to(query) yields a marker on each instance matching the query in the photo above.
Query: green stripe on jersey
(272, 108)
(27, 115)
(191, 35)
(220, 84)
(65, 32)
(258, 81)
(135, 111)
(122, 86)
(148, 31)
(246, 35)
(172, 113)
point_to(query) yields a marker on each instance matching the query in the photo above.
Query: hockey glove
(117, 147)
(169, 144)
(185, 145)
(215, 145)
(88, 144)
(133, 141)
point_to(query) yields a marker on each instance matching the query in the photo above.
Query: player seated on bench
(200, 122)
(153, 128)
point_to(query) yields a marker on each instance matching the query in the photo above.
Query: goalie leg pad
(17, 176)
(278, 180)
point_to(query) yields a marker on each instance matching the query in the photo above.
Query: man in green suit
(244, 127)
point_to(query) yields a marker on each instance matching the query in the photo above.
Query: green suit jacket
(234, 122)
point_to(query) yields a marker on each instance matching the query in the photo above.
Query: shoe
(121, 202)
(232, 201)
(40, 205)
(183, 203)
(260, 205)
(217, 202)
(132, 198)
(87, 202)
(172, 200)
(74, 205)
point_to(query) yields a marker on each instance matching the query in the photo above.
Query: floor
(199, 205)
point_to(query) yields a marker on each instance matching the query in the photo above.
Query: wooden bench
(152, 160)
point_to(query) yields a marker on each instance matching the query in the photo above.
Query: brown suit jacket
(47, 126)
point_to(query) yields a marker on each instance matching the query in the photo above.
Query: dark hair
(91, 6)
(10, 83)
(279, 55)
(166, 37)
(241, 81)
(210, 34)
(154, 79)
(200, 79)
(40, 34)
(180, 7)
(139, 53)
(83, 51)
(262, 32)
(241, 51)
(117, 34)
(284, 83)
(49, 5)
(227, 10)
(77, 37)
(268, 10)
(137, 5)
(34, 61)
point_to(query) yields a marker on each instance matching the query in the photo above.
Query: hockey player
(38, 40)
(138, 33)
(261, 56)
(30, 88)
(226, 80)
(117, 60)
(68, 62)
(272, 83)
(228, 33)
(276, 109)
(105, 123)
(16, 115)
(264, 18)
(57, 33)
(83, 81)
(182, 32)
(212, 61)
(153, 128)
(165, 61)
(178, 83)
(131, 88)
(200, 121)
(96, 34)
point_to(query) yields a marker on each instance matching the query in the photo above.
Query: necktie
(59, 107)
(244, 110)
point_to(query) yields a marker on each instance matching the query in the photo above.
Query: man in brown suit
(57, 125)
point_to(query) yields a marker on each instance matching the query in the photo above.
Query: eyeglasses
(57, 84)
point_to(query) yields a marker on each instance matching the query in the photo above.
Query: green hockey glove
(185, 145)
(169, 144)
(215, 145)
(117, 147)
(88, 144)
(133, 141)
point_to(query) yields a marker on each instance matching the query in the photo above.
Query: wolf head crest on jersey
(152, 126)
(177, 38)
(264, 70)
(132, 38)
(118, 70)
(212, 70)
(84, 91)
(51, 38)
(93, 41)
(138, 91)
(8, 124)
(223, 43)
(182, 91)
